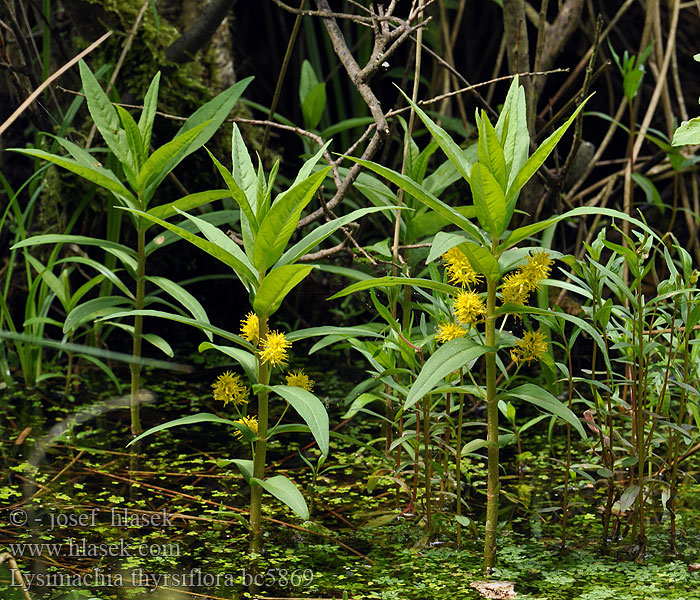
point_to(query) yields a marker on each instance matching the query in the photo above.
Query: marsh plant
(269, 271)
(645, 415)
(133, 186)
(487, 254)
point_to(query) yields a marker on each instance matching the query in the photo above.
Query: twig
(182, 494)
(282, 73)
(35, 94)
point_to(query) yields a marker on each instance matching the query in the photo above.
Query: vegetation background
(343, 71)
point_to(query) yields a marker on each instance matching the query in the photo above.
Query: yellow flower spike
(250, 422)
(537, 268)
(449, 331)
(250, 328)
(515, 289)
(301, 380)
(468, 307)
(531, 347)
(459, 269)
(274, 349)
(229, 388)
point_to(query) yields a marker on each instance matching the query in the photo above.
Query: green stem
(493, 484)
(427, 460)
(135, 367)
(260, 450)
(458, 459)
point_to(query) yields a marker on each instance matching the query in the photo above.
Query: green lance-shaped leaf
(413, 188)
(148, 114)
(214, 113)
(536, 160)
(512, 131)
(453, 152)
(100, 268)
(490, 152)
(541, 398)
(246, 467)
(242, 169)
(106, 119)
(153, 339)
(94, 174)
(93, 309)
(84, 157)
(309, 408)
(489, 201)
(237, 194)
(188, 202)
(190, 420)
(390, 281)
(313, 105)
(234, 261)
(450, 357)
(124, 253)
(281, 220)
(481, 259)
(164, 160)
(307, 80)
(276, 285)
(218, 237)
(517, 235)
(313, 239)
(227, 335)
(133, 138)
(283, 489)
(187, 300)
(308, 167)
(244, 358)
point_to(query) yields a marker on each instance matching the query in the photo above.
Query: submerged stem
(493, 484)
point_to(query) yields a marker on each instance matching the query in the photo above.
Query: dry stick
(15, 572)
(584, 60)
(35, 94)
(461, 77)
(231, 508)
(689, 215)
(660, 83)
(282, 73)
(677, 85)
(599, 152)
(449, 55)
(39, 55)
(120, 63)
(651, 108)
(496, 69)
(578, 131)
(397, 230)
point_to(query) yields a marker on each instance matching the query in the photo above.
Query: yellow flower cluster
(250, 328)
(229, 388)
(468, 307)
(459, 269)
(517, 286)
(301, 380)
(274, 349)
(250, 422)
(449, 331)
(531, 347)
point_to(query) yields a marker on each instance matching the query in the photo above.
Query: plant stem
(493, 484)
(135, 367)
(427, 461)
(260, 450)
(458, 459)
